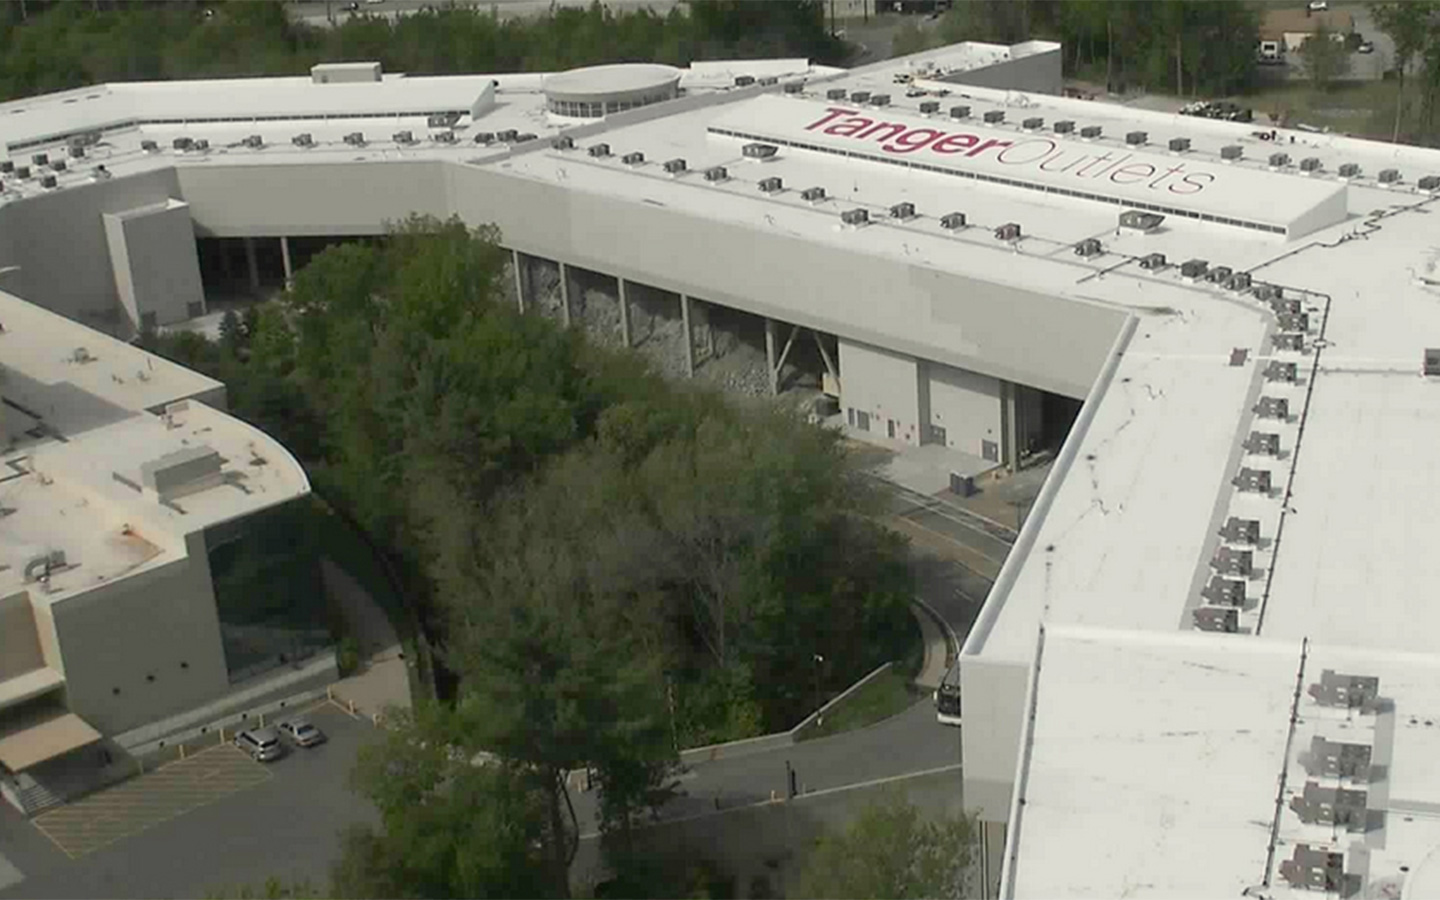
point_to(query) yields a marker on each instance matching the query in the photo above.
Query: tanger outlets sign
(1039, 153)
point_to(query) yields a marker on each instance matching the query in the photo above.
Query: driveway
(216, 822)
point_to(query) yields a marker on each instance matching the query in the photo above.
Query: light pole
(818, 660)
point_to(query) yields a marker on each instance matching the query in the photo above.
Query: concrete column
(565, 294)
(709, 331)
(252, 264)
(770, 357)
(689, 336)
(515, 263)
(623, 293)
(222, 249)
(1010, 417)
(285, 258)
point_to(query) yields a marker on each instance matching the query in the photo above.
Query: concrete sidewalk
(382, 680)
(937, 649)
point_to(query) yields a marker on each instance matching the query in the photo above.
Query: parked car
(1319, 5)
(263, 744)
(1365, 47)
(302, 733)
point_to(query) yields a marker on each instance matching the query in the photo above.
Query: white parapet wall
(157, 268)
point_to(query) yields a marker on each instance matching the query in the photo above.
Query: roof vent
(508, 136)
(1431, 365)
(444, 137)
(1279, 160)
(442, 120)
(769, 80)
(1234, 151)
(1010, 231)
(1091, 131)
(744, 80)
(952, 221)
(835, 94)
(1223, 591)
(77, 151)
(355, 138)
(1179, 145)
(1348, 170)
(759, 151)
(959, 112)
(1241, 531)
(855, 216)
(598, 150)
(81, 355)
(1152, 261)
(40, 566)
(48, 181)
(1239, 356)
(485, 137)
(1136, 137)
(1291, 342)
(40, 159)
(22, 172)
(813, 193)
(1218, 275)
(1265, 292)
(59, 165)
(1228, 560)
(1140, 221)
(1088, 248)
(7, 166)
(770, 185)
(303, 139)
(633, 158)
(404, 137)
(1273, 408)
(1297, 321)
(1314, 870)
(1310, 164)
(880, 100)
(1239, 281)
(202, 144)
(525, 136)
(1429, 183)
(1345, 691)
(859, 96)
(994, 116)
(674, 166)
(1064, 126)
(1280, 371)
(795, 87)
(1214, 618)
(254, 141)
(1285, 306)
(1263, 443)
(563, 142)
(1389, 176)
(1033, 122)
(1194, 268)
(902, 211)
(930, 106)
(716, 173)
(182, 143)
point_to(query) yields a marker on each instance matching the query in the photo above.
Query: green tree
(1325, 58)
(911, 38)
(273, 889)
(1412, 26)
(891, 851)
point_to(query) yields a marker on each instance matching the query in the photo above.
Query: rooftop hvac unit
(40, 159)
(1310, 164)
(1033, 122)
(855, 216)
(355, 138)
(1064, 126)
(182, 143)
(254, 141)
(1314, 870)
(952, 221)
(930, 106)
(444, 137)
(1228, 560)
(1223, 591)
(525, 136)
(1179, 144)
(859, 96)
(1429, 183)
(770, 185)
(716, 173)
(633, 158)
(674, 166)
(1431, 365)
(1296, 321)
(1280, 371)
(7, 166)
(880, 99)
(1348, 170)
(1238, 282)
(1279, 160)
(563, 142)
(813, 193)
(485, 137)
(1253, 481)
(1389, 176)
(1263, 443)
(1294, 343)
(903, 211)
(1136, 137)
(835, 94)
(1010, 231)
(1088, 248)
(769, 80)
(1218, 275)
(1345, 691)
(1241, 531)
(994, 116)
(1285, 306)
(744, 80)
(442, 120)
(101, 173)
(1091, 131)
(202, 144)
(1152, 261)
(1266, 292)
(1140, 221)
(1234, 151)
(1194, 268)
(794, 87)
(508, 136)
(22, 172)
(759, 151)
(48, 181)
(1214, 618)
(1318, 805)
(598, 150)
(1239, 356)
(77, 151)
(149, 146)
(59, 165)
(303, 139)
(1334, 759)
(1273, 408)
(959, 112)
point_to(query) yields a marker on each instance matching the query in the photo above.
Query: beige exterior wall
(19, 644)
(119, 636)
(883, 385)
(156, 265)
(967, 406)
(45, 632)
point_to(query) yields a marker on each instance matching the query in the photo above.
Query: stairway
(36, 797)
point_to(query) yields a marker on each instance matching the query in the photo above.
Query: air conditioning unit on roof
(404, 137)
(444, 137)
(303, 139)
(254, 142)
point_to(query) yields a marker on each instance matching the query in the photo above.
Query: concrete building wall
(19, 644)
(157, 266)
(45, 632)
(993, 695)
(884, 386)
(160, 624)
(1038, 73)
(968, 406)
(59, 242)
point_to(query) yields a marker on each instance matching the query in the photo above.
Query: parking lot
(209, 823)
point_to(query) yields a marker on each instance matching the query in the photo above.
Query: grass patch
(888, 694)
(1360, 108)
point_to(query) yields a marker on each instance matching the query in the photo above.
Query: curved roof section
(612, 81)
